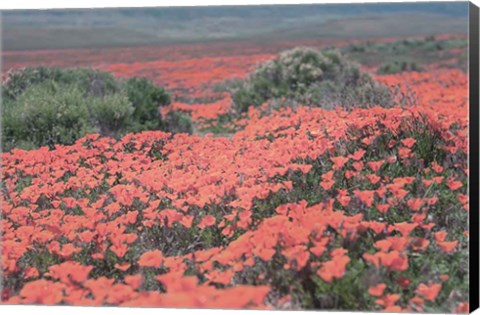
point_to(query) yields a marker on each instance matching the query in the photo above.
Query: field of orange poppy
(285, 208)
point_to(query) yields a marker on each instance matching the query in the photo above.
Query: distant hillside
(47, 29)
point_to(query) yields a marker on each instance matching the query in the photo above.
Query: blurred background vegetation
(88, 28)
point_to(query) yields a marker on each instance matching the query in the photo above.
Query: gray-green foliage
(112, 113)
(310, 77)
(421, 51)
(48, 106)
(398, 66)
(91, 82)
(178, 122)
(45, 114)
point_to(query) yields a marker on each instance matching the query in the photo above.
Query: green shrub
(146, 99)
(310, 77)
(112, 113)
(46, 114)
(398, 66)
(178, 122)
(422, 51)
(91, 82)
(48, 106)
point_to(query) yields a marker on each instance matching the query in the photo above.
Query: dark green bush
(310, 77)
(146, 99)
(398, 66)
(48, 106)
(178, 122)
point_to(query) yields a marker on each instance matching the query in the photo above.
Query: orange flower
(375, 166)
(358, 166)
(31, 273)
(394, 261)
(437, 168)
(366, 196)
(222, 277)
(135, 281)
(427, 182)
(383, 208)
(404, 153)
(388, 300)
(420, 244)
(403, 282)
(328, 176)
(207, 221)
(393, 309)
(417, 303)
(377, 290)
(318, 250)
(265, 253)
(454, 185)
(297, 257)
(429, 292)
(334, 268)
(327, 185)
(463, 308)
(42, 291)
(151, 259)
(447, 246)
(344, 200)
(99, 287)
(358, 155)
(373, 178)
(70, 271)
(399, 194)
(440, 236)
(415, 204)
(383, 245)
(462, 198)
(119, 249)
(409, 142)
(404, 228)
(339, 162)
(122, 267)
(187, 221)
(177, 282)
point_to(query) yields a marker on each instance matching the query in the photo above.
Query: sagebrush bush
(425, 45)
(178, 122)
(310, 77)
(91, 82)
(48, 106)
(398, 66)
(46, 114)
(112, 113)
(422, 51)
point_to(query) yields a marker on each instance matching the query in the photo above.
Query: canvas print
(280, 157)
